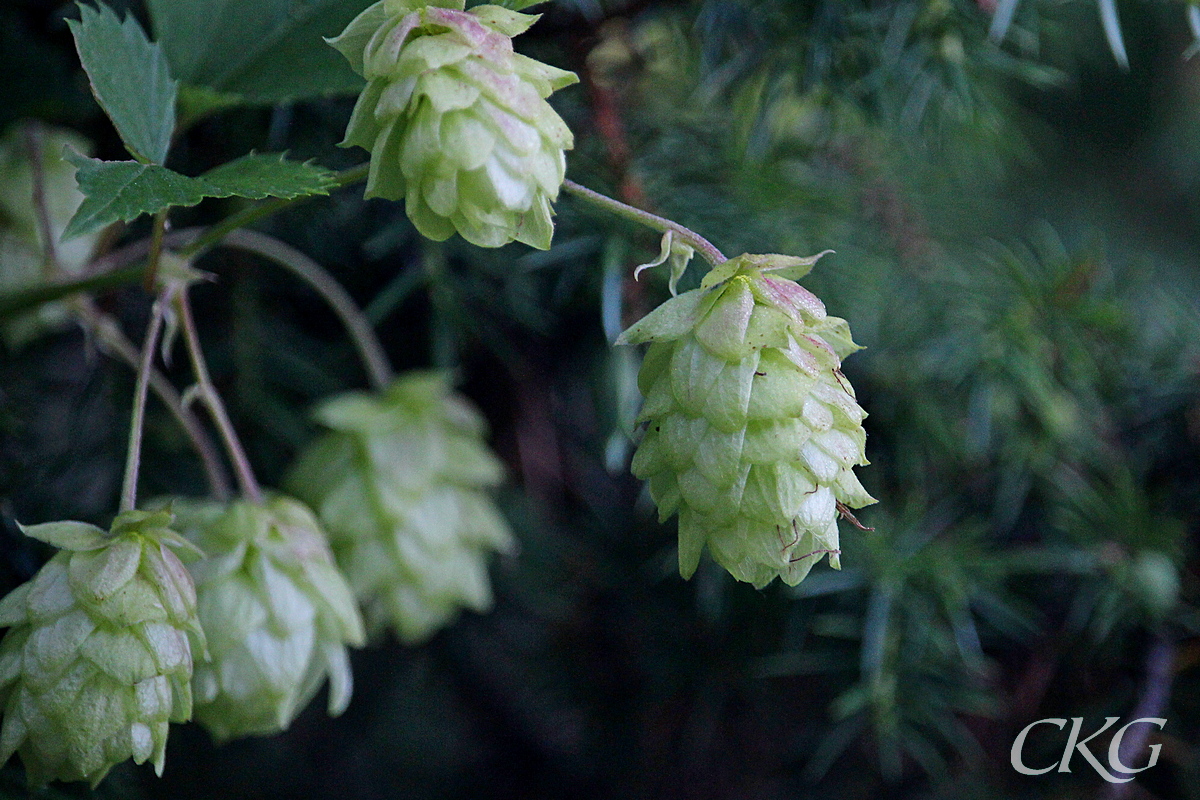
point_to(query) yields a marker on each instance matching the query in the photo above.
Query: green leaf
(265, 51)
(197, 102)
(257, 176)
(130, 78)
(124, 190)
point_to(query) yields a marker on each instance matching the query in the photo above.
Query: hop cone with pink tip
(752, 431)
(456, 122)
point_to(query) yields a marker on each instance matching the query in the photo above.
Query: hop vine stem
(116, 269)
(208, 395)
(156, 247)
(137, 422)
(374, 359)
(110, 338)
(121, 267)
(660, 224)
(249, 216)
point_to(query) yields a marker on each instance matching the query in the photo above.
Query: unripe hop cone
(400, 484)
(456, 122)
(752, 432)
(98, 656)
(277, 612)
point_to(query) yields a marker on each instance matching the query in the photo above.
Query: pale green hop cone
(752, 432)
(400, 483)
(456, 122)
(98, 656)
(278, 613)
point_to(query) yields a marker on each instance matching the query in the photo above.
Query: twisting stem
(156, 247)
(207, 393)
(661, 224)
(357, 325)
(134, 453)
(253, 214)
(113, 341)
(128, 257)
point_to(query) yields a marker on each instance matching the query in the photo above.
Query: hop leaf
(752, 431)
(98, 656)
(456, 122)
(278, 613)
(399, 484)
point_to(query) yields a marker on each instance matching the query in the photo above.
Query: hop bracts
(99, 653)
(401, 483)
(456, 122)
(752, 432)
(278, 613)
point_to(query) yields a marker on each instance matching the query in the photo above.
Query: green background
(1015, 235)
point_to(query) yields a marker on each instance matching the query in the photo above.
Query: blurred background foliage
(1015, 229)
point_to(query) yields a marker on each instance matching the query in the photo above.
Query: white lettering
(1114, 747)
(1019, 743)
(1073, 744)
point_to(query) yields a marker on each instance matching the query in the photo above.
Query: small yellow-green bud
(278, 614)
(400, 483)
(752, 431)
(456, 122)
(98, 657)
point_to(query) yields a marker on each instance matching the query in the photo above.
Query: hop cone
(400, 485)
(752, 430)
(278, 613)
(456, 122)
(23, 258)
(98, 656)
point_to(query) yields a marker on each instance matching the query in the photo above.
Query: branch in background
(886, 202)
(1160, 669)
(605, 96)
(374, 359)
(606, 99)
(37, 175)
